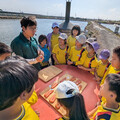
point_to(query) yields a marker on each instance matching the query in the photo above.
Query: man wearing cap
(52, 38)
(103, 65)
(78, 53)
(60, 50)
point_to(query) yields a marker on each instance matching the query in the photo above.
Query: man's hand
(40, 52)
(40, 58)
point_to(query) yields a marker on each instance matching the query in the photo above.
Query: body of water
(110, 26)
(10, 28)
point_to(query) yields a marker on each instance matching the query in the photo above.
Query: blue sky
(104, 9)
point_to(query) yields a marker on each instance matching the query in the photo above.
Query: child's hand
(98, 79)
(69, 62)
(40, 52)
(57, 63)
(80, 66)
(37, 112)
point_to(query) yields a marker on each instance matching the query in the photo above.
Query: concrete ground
(106, 38)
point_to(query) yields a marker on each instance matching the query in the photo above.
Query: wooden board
(58, 80)
(48, 73)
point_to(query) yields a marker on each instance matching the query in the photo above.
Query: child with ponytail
(68, 96)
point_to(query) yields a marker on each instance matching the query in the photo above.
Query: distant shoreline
(10, 17)
(17, 15)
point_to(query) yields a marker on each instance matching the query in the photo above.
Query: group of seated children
(81, 52)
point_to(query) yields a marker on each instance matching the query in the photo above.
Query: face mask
(88, 48)
(87, 45)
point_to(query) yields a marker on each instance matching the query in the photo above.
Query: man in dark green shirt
(26, 45)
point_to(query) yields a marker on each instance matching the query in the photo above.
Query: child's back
(67, 94)
(104, 113)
